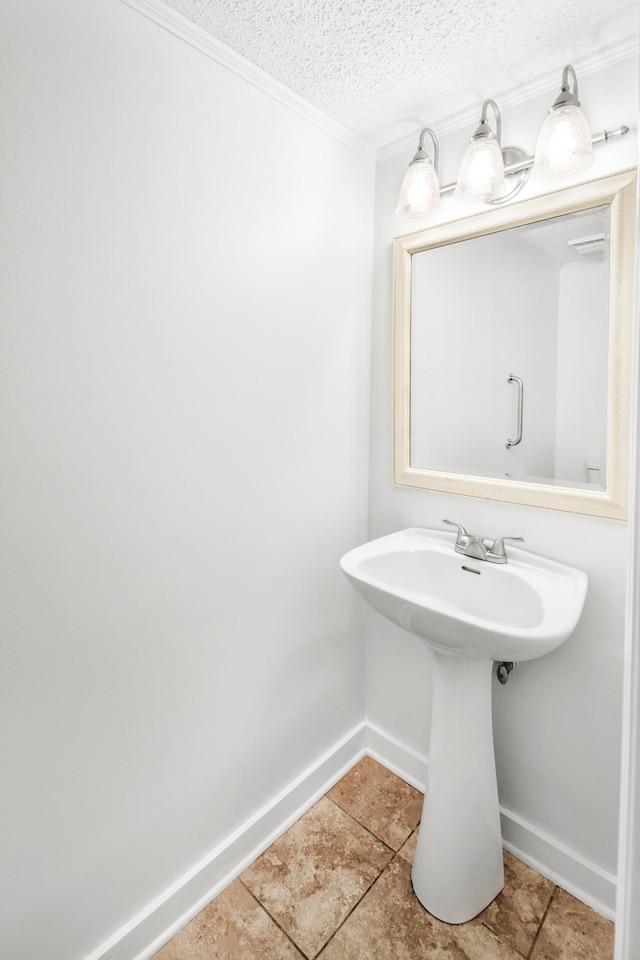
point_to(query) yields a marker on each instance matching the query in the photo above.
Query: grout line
(364, 826)
(502, 939)
(271, 917)
(541, 924)
(357, 904)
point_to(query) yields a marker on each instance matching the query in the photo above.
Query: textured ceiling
(553, 237)
(383, 67)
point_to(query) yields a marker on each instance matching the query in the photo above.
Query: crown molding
(513, 97)
(175, 23)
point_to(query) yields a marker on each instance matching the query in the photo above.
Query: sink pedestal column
(458, 868)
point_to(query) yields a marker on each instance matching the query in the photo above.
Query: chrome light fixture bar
(525, 164)
(490, 173)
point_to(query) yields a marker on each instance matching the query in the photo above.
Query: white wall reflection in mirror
(532, 302)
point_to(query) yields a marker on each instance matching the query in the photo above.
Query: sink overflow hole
(471, 570)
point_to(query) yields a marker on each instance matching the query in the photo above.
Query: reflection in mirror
(526, 332)
(512, 342)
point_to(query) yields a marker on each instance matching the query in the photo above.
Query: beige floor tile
(382, 802)
(390, 924)
(517, 912)
(231, 927)
(572, 931)
(315, 873)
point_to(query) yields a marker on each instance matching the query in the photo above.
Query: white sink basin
(514, 611)
(469, 613)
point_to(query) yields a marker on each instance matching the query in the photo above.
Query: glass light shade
(481, 175)
(420, 190)
(564, 144)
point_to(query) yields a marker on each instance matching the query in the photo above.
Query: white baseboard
(571, 871)
(150, 929)
(146, 933)
(396, 756)
(585, 880)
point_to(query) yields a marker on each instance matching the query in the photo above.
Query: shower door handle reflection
(513, 379)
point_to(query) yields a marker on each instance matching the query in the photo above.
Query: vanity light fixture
(491, 173)
(420, 189)
(564, 144)
(481, 174)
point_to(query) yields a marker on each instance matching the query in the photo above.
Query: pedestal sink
(469, 613)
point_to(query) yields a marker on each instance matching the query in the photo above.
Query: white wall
(183, 424)
(558, 721)
(581, 439)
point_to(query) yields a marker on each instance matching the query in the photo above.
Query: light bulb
(420, 189)
(564, 144)
(481, 175)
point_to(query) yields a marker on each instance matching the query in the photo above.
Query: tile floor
(337, 886)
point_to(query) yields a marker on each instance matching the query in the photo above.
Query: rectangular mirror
(511, 353)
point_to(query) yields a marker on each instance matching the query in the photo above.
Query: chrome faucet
(471, 545)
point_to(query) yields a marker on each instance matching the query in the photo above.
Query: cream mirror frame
(618, 192)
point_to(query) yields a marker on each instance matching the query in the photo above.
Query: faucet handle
(461, 530)
(497, 552)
